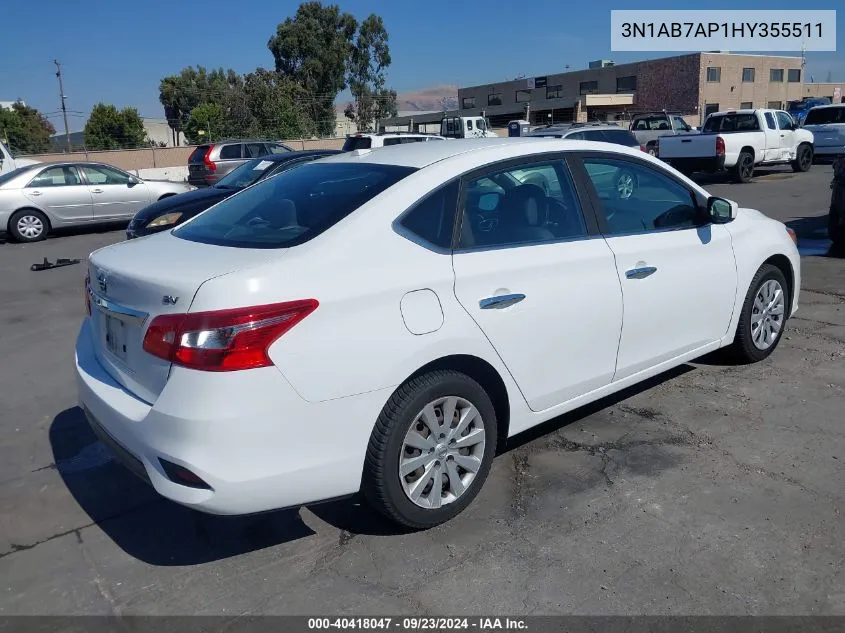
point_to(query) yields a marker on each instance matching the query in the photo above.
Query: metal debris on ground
(61, 261)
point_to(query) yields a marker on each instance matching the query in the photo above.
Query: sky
(117, 52)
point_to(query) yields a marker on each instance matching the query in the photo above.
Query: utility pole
(64, 109)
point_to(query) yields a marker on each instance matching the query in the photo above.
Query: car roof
(420, 155)
(828, 105)
(552, 131)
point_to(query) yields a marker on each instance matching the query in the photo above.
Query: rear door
(539, 281)
(772, 133)
(114, 193)
(59, 190)
(678, 277)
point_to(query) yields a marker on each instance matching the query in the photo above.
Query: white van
(827, 123)
(10, 163)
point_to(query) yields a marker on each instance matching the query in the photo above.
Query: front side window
(230, 151)
(102, 175)
(530, 203)
(785, 121)
(433, 218)
(293, 207)
(638, 199)
(64, 176)
(254, 150)
(770, 121)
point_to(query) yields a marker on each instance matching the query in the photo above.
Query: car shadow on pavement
(160, 532)
(144, 524)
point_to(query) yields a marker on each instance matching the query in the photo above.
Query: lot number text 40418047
(419, 624)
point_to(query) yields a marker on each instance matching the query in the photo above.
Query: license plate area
(115, 335)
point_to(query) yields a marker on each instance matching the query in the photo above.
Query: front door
(787, 135)
(61, 193)
(678, 277)
(538, 282)
(114, 193)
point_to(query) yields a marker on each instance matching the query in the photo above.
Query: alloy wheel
(625, 186)
(442, 452)
(767, 314)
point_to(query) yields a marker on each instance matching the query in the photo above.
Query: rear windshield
(198, 155)
(357, 142)
(248, 173)
(732, 123)
(293, 207)
(825, 116)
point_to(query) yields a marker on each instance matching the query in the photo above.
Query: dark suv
(209, 163)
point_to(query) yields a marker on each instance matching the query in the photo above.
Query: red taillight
(720, 146)
(87, 294)
(210, 164)
(642, 148)
(224, 340)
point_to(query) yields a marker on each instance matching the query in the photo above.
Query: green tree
(192, 87)
(368, 61)
(311, 50)
(205, 124)
(276, 106)
(110, 128)
(25, 129)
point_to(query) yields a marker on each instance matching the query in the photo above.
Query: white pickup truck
(739, 141)
(10, 163)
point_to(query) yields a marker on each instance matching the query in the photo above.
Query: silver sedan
(37, 198)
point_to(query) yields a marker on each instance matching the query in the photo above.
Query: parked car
(739, 141)
(827, 124)
(207, 164)
(799, 108)
(169, 212)
(385, 139)
(453, 127)
(9, 163)
(650, 127)
(361, 323)
(624, 181)
(45, 196)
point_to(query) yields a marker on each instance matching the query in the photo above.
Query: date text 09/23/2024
(418, 624)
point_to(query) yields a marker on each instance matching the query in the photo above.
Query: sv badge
(169, 300)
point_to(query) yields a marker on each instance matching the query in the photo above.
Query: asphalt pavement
(713, 489)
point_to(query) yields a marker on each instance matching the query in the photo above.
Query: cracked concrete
(713, 489)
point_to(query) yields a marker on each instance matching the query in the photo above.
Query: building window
(793, 75)
(554, 92)
(626, 84)
(587, 87)
(710, 108)
(523, 95)
(746, 105)
(776, 74)
(494, 99)
(468, 103)
(714, 74)
(748, 75)
(775, 105)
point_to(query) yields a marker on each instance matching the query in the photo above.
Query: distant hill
(443, 97)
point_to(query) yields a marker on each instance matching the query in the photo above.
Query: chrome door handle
(96, 191)
(499, 302)
(640, 273)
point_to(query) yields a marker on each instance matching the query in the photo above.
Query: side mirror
(721, 211)
(134, 180)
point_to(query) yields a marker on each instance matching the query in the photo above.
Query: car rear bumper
(710, 164)
(248, 435)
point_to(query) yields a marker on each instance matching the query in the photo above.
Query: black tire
(803, 159)
(21, 234)
(743, 349)
(651, 148)
(743, 171)
(381, 483)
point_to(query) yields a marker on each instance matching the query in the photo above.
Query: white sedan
(383, 320)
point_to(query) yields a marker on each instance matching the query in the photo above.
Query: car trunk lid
(133, 282)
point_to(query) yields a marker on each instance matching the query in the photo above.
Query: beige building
(694, 84)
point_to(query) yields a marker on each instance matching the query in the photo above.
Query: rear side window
(254, 150)
(732, 123)
(433, 219)
(825, 116)
(276, 148)
(770, 121)
(357, 142)
(230, 151)
(198, 155)
(293, 207)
